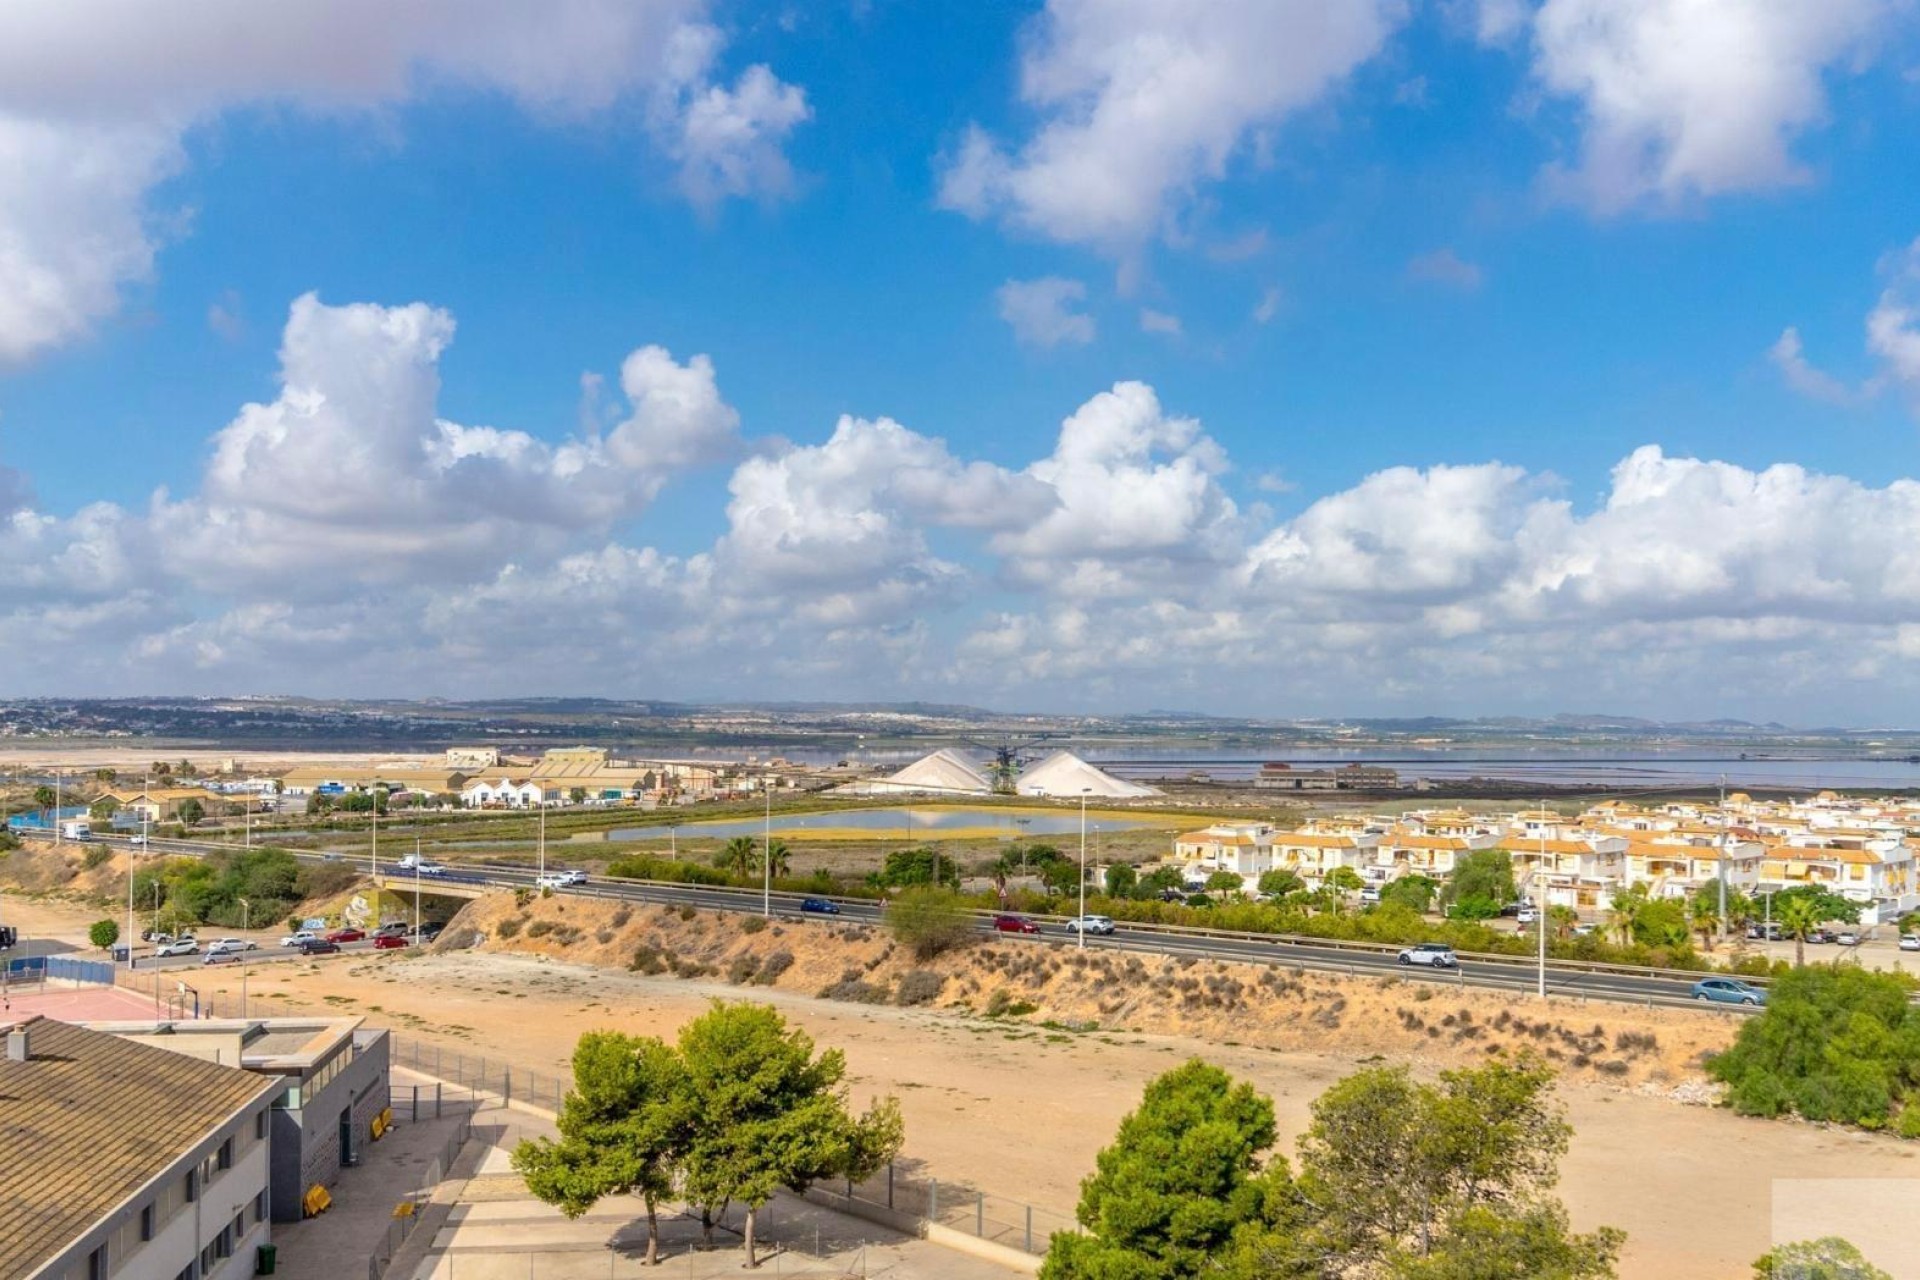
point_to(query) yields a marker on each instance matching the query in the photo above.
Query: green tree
(1829, 1258)
(1533, 1244)
(929, 921)
(1122, 880)
(1407, 1176)
(1797, 917)
(108, 776)
(622, 1129)
(764, 1113)
(1661, 922)
(103, 934)
(1839, 1044)
(104, 808)
(577, 795)
(1161, 879)
(905, 867)
(1225, 882)
(1481, 884)
(1180, 1178)
(1343, 881)
(1623, 914)
(44, 796)
(191, 811)
(1415, 892)
(739, 857)
(1280, 882)
(778, 858)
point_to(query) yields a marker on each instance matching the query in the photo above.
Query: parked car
(1015, 924)
(224, 946)
(1098, 925)
(1764, 932)
(428, 932)
(392, 929)
(1585, 930)
(1848, 938)
(319, 947)
(1526, 915)
(1820, 935)
(301, 938)
(388, 941)
(348, 934)
(820, 906)
(1728, 991)
(1437, 955)
(221, 957)
(1910, 942)
(1370, 894)
(178, 947)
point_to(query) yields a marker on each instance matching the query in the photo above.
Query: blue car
(1728, 991)
(819, 906)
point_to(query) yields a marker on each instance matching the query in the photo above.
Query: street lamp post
(543, 830)
(766, 858)
(373, 862)
(246, 909)
(58, 779)
(1541, 923)
(1723, 859)
(1080, 927)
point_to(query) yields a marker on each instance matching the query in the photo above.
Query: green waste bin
(265, 1258)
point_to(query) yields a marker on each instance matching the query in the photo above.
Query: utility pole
(543, 829)
(766, 861)
(57, 781)
(1723, 860)
(1080, 927)
(373, 863)
(1541, 923)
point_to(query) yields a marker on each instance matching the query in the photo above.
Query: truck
(76, 829)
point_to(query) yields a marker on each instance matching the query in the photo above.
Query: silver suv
(1099, 925)
(1436, 955)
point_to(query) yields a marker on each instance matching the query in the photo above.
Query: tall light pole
(1723, 859)
(129, 911)
(416, 886)
(1080, 926)
(373, 858)
(1541, 923)
(543, 829)
(766, 858)
(57, 780)
(246, 909)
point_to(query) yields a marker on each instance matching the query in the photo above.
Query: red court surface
(79, 1003)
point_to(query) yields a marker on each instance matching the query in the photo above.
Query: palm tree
(1797, 917)
(1624, 914)
(1703, 913)
(1562, 919)
(740, 856)
(779, 857)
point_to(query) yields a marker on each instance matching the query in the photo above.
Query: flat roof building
(123, 1161)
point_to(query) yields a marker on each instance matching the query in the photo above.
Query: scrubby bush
(650, 960)
(752, 924)
(772, 967)
(509, 927)
(743, 969)
(620, 917)
(1839, 1045)
(928, 922)
(641, 867)
(856, 991)
(540, 928)
(919, 986)
(96, 857)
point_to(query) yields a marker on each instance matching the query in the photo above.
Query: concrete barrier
(931, 1232)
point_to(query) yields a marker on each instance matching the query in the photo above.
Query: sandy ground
(1019, 1109)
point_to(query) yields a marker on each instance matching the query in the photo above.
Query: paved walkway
(340, 1241)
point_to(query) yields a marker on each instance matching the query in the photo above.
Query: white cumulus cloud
(1043, 312)
(1143, 101)
(96, 97)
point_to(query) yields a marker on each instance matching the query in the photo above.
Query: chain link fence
(407, 1214)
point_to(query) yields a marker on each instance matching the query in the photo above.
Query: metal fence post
(980, 1214)
(889, 1184)
(437, 1088)
(506, 1093)
(416, 1102)
(1029, 1228)
(933, 1199)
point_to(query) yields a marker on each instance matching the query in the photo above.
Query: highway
(1616, 984)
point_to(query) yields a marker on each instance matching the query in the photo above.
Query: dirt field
(1019, 1108)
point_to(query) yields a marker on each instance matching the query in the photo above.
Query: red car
(388, 942)
(1015, 924)
(346, 935)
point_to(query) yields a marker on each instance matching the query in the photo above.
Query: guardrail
(747, 898)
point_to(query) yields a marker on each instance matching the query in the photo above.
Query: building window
(223, 1243)
(260, 1207)
(186, 1273)
(224, 1160)
(97, 1264)
(146, 1223)
(240, 1224)
(260, 1127)
(193, 1185)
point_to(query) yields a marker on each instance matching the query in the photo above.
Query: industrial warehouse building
(128, 1162)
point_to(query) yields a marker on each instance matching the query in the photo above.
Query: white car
(1910, 942)
(178, 947)
(426, 869)
(138, 842)
(224, 946)
(1437, 955)
(297, 939)
(1848, 938)
(1526, 915)
(1098, 925)
(555, 880)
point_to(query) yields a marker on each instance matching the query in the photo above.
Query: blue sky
(1427, 357)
